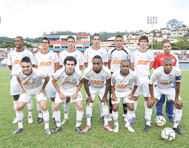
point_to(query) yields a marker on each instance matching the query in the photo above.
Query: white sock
(101, 110)
(30, 107)
(19, 117)
(15, 105)
(89, 113)
(178, 116)
(145, 105)
(135, 106)
(66, 109)
(130, 115)
(57, 117)
(39, 110)
(52, 109)
(79, 118)
(115, 117)
(46, 118)
(106, 113)
(148, 116)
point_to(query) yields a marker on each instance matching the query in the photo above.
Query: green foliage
(4, 39)
(10, 44)
(175, 23)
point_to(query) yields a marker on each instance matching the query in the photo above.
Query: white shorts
(28, 97)
(124, 96)
(143, 87)
(94, 90)
(50, 89)
(169, 92)
(15, 88)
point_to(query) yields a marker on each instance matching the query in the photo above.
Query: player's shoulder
(159, 69)
(77, 51)
(88, 49)
(132, 73)
(77, 71)
(110, 51)
(116, 73)
(27, 51)
(63, 52)
(103, 49)
(176, 68)
(11, 52)
(17, 72)
(106, 69)
(88, 69)
(135, 52)
(127, 50)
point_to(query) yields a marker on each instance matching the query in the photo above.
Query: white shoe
(110, 117)
(130, 128)
(30, 119)
(124, 116)
(15, 120)
(116, 128)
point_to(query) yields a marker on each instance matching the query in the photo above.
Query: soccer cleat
(79, 130)
(133, 120)
(110, 117)
(146, 129)
(91, 119)
(108, 127)
(178, 130)
(146, 120)
(130, 128)
(102, 119)
(124, 116)
(18, 131)
(171, 120)
(56, 129)
(39, 120)
(116, 128)
(30, 119)
(87, 128)
(47, 131)
(15, 120)
(64, 122)
(53, 120)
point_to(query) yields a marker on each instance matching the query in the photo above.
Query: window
(81, 38)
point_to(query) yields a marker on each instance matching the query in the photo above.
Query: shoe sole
(86, 131)
(109, 130)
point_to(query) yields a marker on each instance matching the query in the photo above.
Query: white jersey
(15, 57)
(76, 53)
(116, 56)
(97, 80)
(45, 62)
(90, 53)
(32, 83)
(165, 80)
(68, 82)
(141, 62)
(124, 83)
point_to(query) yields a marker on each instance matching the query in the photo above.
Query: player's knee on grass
(16, 97)
(53, 99)
(68, 100)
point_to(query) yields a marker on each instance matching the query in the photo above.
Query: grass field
(34, 135)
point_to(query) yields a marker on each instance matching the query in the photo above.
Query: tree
(175, 23)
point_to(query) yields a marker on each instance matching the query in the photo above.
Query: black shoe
(39, 120)
(56, 129)
(146, 129)
(102, 119)
(53, 120)
(79, 130)
(171, 120)
(178, 130)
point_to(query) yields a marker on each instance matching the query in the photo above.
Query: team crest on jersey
(130, 80)
(75, 55)
(33, 79)
(170, 76)
(62, 76)
(54, 92)
(123, 56)
(23, 55)
(148, 57)
(102, 77)
(101, 53)
(79, 96)
(173, 60)
(73, 79)
(50, 57)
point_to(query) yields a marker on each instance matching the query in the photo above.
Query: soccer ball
(168, 134)
(160, 121)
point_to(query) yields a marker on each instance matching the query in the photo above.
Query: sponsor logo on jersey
(50, 57)
(123, 56)
(16, 62)
(166, 83)
(170, 76)
(97, 81)
(27, 83)
(123, 85)
(33, 79)
(76, 56)
(117, 61)
(67, 82)
(102, 77)
(101, 53)
(73, 79)
(142, 62)
(49, 63)
(148, 57)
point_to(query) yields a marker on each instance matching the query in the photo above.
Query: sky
(30, 18)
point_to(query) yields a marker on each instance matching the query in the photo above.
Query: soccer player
(164, 77)
(14, 59)
(121, 83)
(71, 51)
(95, 78)
(47, 61)
(69, 78)
(142, 62)
(115, 56)
(157, 63)
(89, 53)
(31, 82)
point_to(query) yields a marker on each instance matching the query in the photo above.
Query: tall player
(121, 83)
(47, 61)
(142, 62)
(14, 59)
(71, 51)
(69, 78)
(164, 77)
(31, 82)
(95, 78)
(157, 63)
(115, 56)
(89, 53)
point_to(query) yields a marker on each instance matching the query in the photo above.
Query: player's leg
(170, 110)
(124, 110)
(39, 110)
(130, 115)
(79, 114)
(101, 111)
(115, 115)
(66, 109)
(159, 105)
(15, 97)
(30, 108)
(110, 105)
(53, 119)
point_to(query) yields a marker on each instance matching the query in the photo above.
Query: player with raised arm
(31, 82)
(121, 83)
(47, 61)
(69, 78)
(163, 78)
(14, 59)
(97, 80)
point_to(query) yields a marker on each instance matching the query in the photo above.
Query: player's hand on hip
(151, 102)
(74, 96)
(23, 91)
(178, 103)
(131, 97)
(42, 91)
(104, 100)
(62, 96)
(89, 100)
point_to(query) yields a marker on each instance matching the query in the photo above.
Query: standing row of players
(47, 61)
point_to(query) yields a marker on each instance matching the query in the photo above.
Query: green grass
(34, 135)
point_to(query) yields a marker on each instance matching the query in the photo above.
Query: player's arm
(57, 88)
(36, 66)
(105, 64)
(56, 66)
(114, 98)
(109, 64)
(74, 96)
(44, 84)
(10, 67)
(23, 90)
(178, 103)
(132, 66)
(89, 98)
(104, 98)
(151, 65)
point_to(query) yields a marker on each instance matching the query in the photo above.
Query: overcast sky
(30, 18)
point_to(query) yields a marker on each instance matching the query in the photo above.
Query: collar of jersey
(165, 72)
(119, 50)
(123, 75)
(44, 53)
(28, 74)
(141, 51)
(97, 72)
(20, 51)
(70, 51)
(69, 74)
(96, 49)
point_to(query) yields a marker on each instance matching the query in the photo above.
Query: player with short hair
(14, 59)
(97, 80)
(70, 51)
(142, 62)
(163, 78)
(31, 82)
(121, 83)
(115, 56)
(47, 61)
(69, 78)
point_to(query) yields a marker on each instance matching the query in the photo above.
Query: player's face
(96, 41)
(97, 63)
(45, 44)
(168, 65)
(167, 48)
(71, 43)
(26, 67)
(70, 65)
(124, 68)
(119, 42)
(18, 43)
(143, 44)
